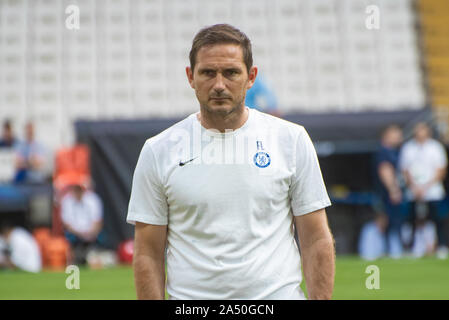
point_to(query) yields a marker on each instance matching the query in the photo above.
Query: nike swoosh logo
(185, 162)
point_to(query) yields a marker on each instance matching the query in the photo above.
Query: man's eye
(209, 72)
(232, 72)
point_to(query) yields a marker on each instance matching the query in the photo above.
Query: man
(262, 97)
(82, 217)
(423, 161)
(7, 153)
(18, 249)
(7, 140)
(31, 158)
(224, 188)
(387, 174)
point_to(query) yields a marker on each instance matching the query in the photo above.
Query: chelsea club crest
(261, 158)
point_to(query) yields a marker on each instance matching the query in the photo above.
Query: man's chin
(221, 108)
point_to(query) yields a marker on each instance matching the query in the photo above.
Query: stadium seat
(56, 253)
(105, 70)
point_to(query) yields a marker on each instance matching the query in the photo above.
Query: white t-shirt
(81, 215)
(25, 253)
(422, 160)
(229, 210)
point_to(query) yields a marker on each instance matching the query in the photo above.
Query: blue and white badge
(261, 158)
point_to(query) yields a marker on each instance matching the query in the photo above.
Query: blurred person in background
(228, 228)
(423, 161)
(388, 186)
(31, 158)
(7, 139)
(18, 249)
(82, 217)
(261, 97)
(372, 240)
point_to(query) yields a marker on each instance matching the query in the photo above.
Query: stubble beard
(223, 112)
(217, 111)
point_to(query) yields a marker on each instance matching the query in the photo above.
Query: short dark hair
(6, 225)
(221, 34)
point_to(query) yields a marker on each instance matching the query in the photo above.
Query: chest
(424, 156)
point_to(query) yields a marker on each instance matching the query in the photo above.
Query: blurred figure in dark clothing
(388, 185)
(7, 140)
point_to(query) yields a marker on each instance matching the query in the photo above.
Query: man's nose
(219, 85)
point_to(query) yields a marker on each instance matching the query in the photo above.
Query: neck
(222, 122)
(421, 141)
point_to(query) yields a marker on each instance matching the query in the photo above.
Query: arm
(36, 161)
(149, 261)
(66, 209)
(92, 234)
(96, 207)
(418, 190)
(318, 254)
(387, 176)
(439, 177)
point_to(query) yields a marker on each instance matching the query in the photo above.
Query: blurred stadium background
(120, 79)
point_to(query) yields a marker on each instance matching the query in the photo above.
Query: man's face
(422, 132)
(29, 132)
(78, 192)
(220, 78)
(396, 137)
(7, 133)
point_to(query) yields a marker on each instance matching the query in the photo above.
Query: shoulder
(383, 153)
(409, 145)
(19, 234)
(91, 196)
(67, 198)
(436, 144)
(171, 135)
(285, 128)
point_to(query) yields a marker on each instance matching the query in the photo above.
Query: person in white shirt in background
(423, 162)
(82, 217)
(18, 249)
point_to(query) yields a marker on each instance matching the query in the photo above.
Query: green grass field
(399, 279)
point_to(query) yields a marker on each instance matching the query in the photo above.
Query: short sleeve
(404, 158)
(442, 156)
(307, 191)
(381, 157)
(148, 203)
(65, 209)
(97, 207)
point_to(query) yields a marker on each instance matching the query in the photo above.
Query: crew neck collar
(223, 135)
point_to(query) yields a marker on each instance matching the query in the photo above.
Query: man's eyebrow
(206, 69)
(233, 69)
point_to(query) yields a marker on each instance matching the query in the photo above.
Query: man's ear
(252, 76)
(189, 73)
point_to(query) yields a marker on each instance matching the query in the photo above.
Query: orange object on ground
(42, 235)
(56, 253)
